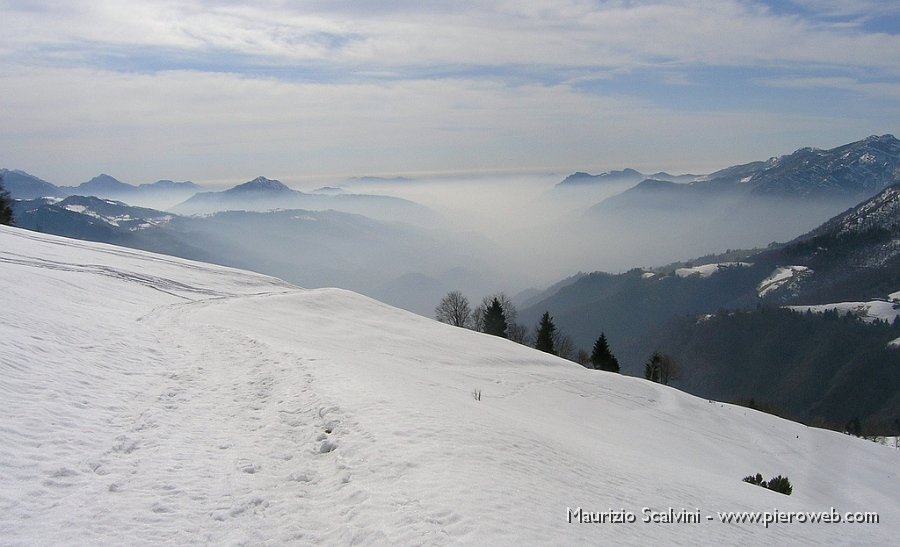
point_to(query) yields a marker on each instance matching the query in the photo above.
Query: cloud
(218, 89)
(405, 37)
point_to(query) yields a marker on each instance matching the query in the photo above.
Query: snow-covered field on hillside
(866, 311)
(707, 270)
(147, 399)
(780, 277)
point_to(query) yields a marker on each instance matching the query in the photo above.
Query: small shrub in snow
(757, 480)
(476, 394)
(779, 484)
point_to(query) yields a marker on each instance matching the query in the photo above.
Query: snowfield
(707, 270)
(148, 399)
(865, 311)
(781, 277)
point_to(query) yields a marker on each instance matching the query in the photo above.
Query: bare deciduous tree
(662, 368)
(564, 345)
(519, 334)
(583, 358)
(454, 310)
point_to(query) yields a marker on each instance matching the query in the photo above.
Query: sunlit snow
(779, 278)
(148, 399)
(707, 270)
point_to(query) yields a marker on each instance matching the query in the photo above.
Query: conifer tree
(6, 214)
(545, 331)
(495, 319)
(602, 358)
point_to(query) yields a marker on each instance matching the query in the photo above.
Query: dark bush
(757, 480)
(779, 484)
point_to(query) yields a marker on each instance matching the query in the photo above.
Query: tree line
(496, 315)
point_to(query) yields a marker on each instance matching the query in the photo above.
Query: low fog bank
(479, 235)
(539, 233)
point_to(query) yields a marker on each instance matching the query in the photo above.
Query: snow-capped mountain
(850, 172)
(744, 206)
(149, 399)
(858, 169)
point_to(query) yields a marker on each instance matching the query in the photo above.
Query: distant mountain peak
(261, 184)
(887, 137)
(104, 183)
(580, 177)
(103, 180)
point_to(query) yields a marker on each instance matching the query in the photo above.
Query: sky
(223, 91)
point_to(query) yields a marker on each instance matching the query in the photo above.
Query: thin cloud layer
(216, 90)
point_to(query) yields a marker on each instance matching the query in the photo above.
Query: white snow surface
(148, 399)
(867, 311)
(778, 278)
(707, 270)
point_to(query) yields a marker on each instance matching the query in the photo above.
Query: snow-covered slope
(783, 275)
(707, 270)
(148, 399)
(866, 311)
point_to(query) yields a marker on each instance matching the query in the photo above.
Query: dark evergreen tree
(780, 484)
(6, 213)
(757, 480)
(545, 331)
(495, 319)
(602, 358)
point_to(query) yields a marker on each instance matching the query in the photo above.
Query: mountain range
(854, 257)
(627, 176)
(846, 173)
(22, 185)
(743, 206)
(849, 263)
(259, 194)
(263, 194)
